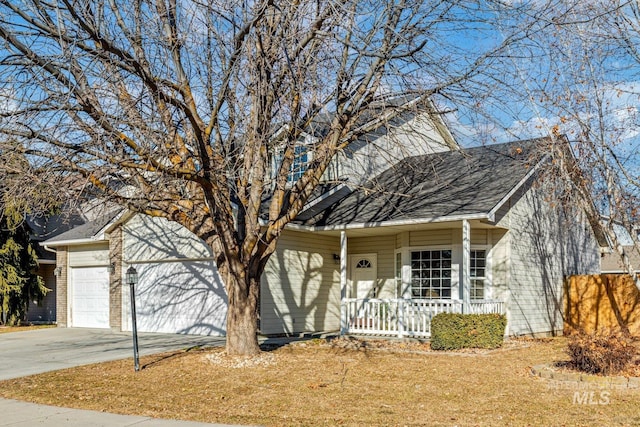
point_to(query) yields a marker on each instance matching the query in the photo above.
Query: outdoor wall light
(336, 258)
(57, 271)
(132, 279)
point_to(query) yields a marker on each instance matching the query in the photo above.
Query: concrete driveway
(32, 352)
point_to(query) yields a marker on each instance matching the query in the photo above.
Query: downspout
(48, 249)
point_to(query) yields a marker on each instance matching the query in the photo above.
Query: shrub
(600, 353)
(450, 331)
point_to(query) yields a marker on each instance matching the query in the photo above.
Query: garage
(89, 297)
(180, 297)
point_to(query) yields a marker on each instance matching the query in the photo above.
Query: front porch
(403, 317)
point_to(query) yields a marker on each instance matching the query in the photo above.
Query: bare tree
(175, 108)
(587, 88)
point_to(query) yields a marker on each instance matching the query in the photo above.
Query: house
(430, 228)
(42, 228)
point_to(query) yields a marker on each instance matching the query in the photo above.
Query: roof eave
(393, 223)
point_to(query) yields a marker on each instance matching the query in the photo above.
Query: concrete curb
(548, 372)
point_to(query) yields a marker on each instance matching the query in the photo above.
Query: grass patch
(345, 384)
(9, 329)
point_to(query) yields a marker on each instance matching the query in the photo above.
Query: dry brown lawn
(312, 384)
(8, 329)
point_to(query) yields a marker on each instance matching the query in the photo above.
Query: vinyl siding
(300, 288)
(545, 244)
(149, 238)
(431, 237)
(93, 255)
(364, 159)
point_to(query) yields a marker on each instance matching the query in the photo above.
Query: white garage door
(90, 297)
(180, 297)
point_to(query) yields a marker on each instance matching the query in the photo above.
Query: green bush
(601, 353)
(450, 331)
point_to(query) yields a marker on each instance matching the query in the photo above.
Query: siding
(431, 237)
(94, 255)
(499, 255)
(364, 159)
(158, 239)
(545, 244)
(300, 288)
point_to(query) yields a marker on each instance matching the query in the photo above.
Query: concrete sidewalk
(23, 414)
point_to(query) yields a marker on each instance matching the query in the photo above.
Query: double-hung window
(431, 274)
(302, 156)
(301, 159)
(478, 277)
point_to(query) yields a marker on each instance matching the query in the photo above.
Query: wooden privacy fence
(601, 302)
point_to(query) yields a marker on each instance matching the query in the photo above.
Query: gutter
(363, 225)
(74, 242)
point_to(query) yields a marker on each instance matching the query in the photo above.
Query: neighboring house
(441, 229)
(611, 262)
(44, 228)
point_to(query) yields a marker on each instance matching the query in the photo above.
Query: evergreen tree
(19, 282)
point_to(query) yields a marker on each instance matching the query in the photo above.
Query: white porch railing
(406, 317)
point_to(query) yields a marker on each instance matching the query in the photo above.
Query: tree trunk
(242, 317)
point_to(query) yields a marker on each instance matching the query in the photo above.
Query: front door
(364, 275)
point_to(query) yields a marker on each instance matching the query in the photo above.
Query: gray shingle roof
(453, 183)
(86, 230)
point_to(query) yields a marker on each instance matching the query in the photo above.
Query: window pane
(431, 273)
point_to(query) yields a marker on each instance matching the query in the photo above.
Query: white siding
(364, 159)
(93, 255)
(545, 245)
(158, 239)
(300, 288)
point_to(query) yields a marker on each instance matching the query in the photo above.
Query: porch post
(466, 265)
(344, 325)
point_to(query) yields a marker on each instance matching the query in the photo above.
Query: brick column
(61, 287)
(115, 279)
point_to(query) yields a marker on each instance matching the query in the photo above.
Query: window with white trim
(301, 160)
(478, 276)
(431, 274)
(303, 154)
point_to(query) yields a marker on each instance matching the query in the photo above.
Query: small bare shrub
(603, 353)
